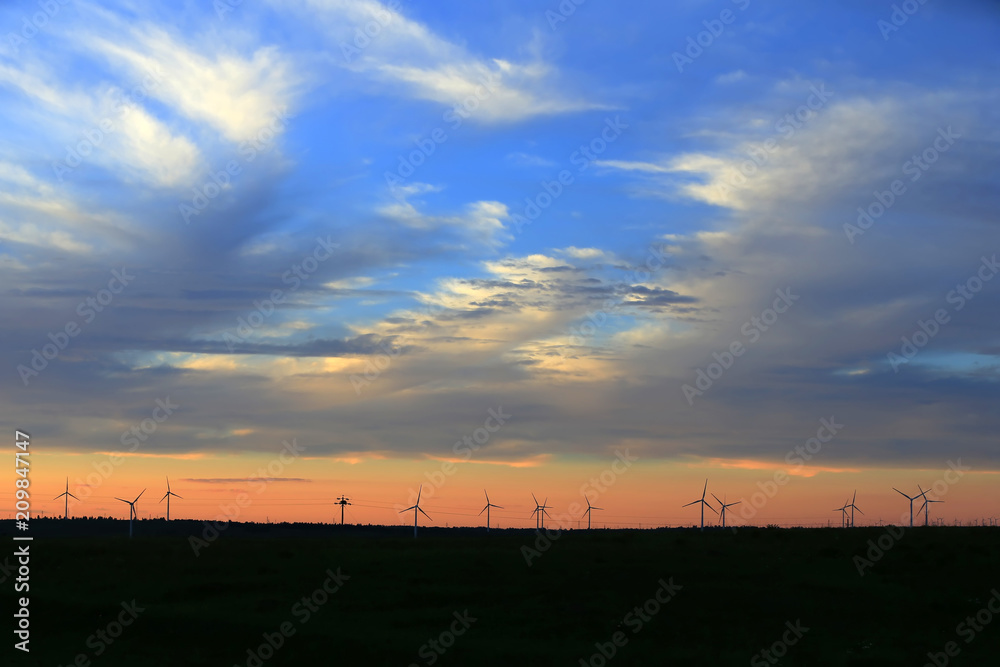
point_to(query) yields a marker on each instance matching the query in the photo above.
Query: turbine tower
(167, 496)
(725, 507)
(911, 499)
(416, 508)
(68, 495)
(854, 507)
(487, 510)
(342, 501)
(704, 504)
(539, 512)
(843, 513)
(927, 502)
(131, 510)
(589, 508)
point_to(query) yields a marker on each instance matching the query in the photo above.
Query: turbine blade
(487, 497)
(75, 498)
(425, 513)
(497, 506)
(481, 511)
(177, 496)
(596, 508)
(419, 491)
(124, 501)
(139, 496)
(408, 509)
(534, 498)
(59, 496)
(717, 499)
(859, 510)
(693, 502)
(705, 490)
(711, 508)
(164, 496)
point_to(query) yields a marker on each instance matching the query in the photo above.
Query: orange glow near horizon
(645, 494)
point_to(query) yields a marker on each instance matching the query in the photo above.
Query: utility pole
(342, 501)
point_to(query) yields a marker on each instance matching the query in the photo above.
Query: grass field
(733, 595)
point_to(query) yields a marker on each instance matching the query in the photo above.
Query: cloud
(406, 55)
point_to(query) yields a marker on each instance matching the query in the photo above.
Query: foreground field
(717, 598)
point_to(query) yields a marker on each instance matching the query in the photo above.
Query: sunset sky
(352, 247)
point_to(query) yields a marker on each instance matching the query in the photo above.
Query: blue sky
(477, 309)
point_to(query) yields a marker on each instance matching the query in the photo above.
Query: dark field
(737, 592)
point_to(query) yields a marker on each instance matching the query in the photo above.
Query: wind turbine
(416, 508)
(911, 499)
(725, 507)
(589, 508)
(854, 507)
(540, 511)
(927, 502)
(342, 501)
(167, 496)
(843, 513)
(131, 509)
(487, 510)
(704, 504)
(68, 495)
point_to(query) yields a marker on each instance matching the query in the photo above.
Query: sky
(598, 252)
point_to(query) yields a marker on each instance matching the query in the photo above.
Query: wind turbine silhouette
(843, 513)
(167, 496)
(416, 508)
(589, 508)
(927, 502)
(911, 499)
(854, 507)
(704, 504)
(539, 511)
(487, 510)
(131, 510)
(725, 507)
(68, 495)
